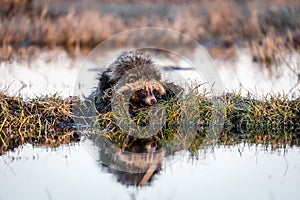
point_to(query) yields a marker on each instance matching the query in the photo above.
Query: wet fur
(131, 73)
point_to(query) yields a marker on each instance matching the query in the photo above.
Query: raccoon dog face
(148, 95)
(143, 95)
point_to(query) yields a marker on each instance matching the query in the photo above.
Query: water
(75, 172)
(48, 73)
(54, 71)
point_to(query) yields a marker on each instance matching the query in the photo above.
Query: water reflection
(143, 160)
(135, 166)
(249, 171)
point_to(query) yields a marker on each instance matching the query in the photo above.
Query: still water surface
(227, 172)
(76, 171)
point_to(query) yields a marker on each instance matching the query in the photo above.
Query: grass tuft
(40, 121)
(271, 121)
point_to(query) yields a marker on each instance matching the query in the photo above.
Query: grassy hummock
(272, 120)
(40, 121)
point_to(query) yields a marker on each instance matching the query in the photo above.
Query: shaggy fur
(131, 73)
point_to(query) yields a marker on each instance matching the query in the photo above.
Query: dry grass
(40, 121)
(274, 120)
(265, 24)
(10, 7)
(268, 49)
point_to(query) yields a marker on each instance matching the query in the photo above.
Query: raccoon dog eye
(142, 93)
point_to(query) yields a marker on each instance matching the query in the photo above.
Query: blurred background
(245, 38)
(263, 26)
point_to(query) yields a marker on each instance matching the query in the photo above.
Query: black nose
(153, 101)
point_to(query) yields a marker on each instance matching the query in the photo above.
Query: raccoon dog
(132, 73)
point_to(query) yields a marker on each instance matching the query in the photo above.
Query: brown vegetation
(84, 24)
(273, 121)
(41, 121)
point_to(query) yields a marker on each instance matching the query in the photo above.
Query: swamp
(227, 126)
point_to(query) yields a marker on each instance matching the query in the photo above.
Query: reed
(28, 23)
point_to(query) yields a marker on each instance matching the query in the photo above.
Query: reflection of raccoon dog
(135, 74)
